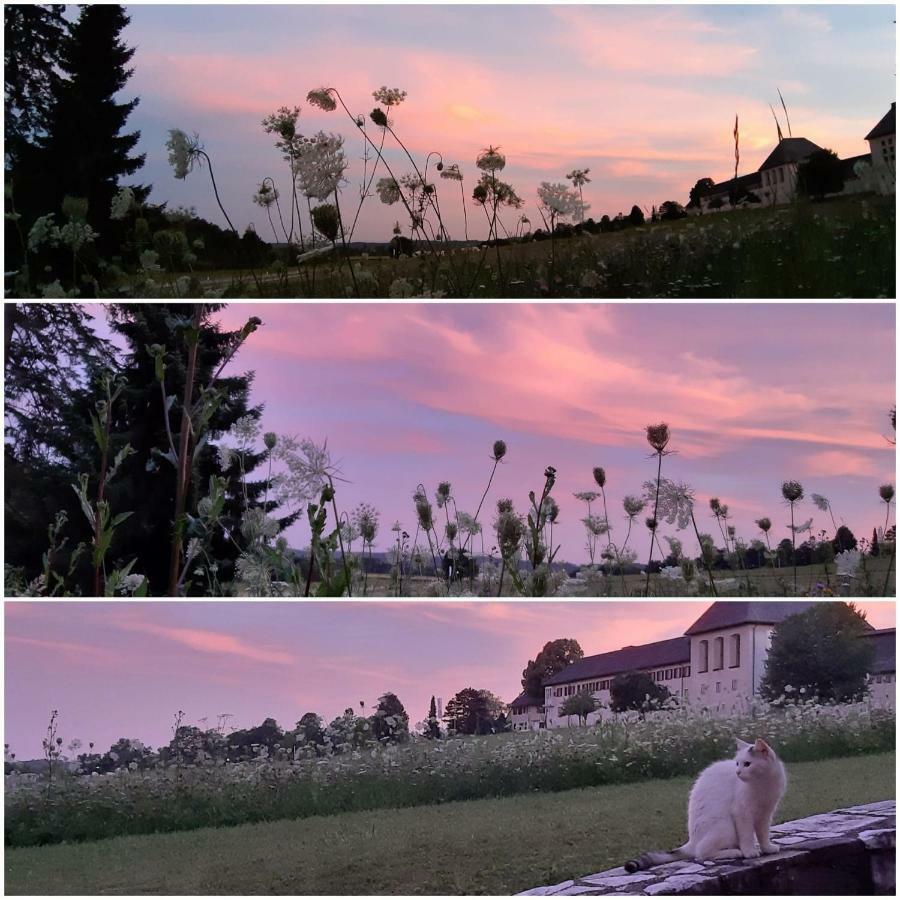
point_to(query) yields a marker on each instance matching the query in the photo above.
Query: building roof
(747, 182)
(885, 649)
(886, 126)
(731, 613)
(789, 150)
(525, 699)
(674, 651)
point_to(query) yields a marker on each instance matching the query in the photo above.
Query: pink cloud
(840, 462)
(70, 651)
(205, 641)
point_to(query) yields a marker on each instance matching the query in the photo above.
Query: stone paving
(869, 829)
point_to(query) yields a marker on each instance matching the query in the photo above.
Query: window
(719, 653)
(781, 175)
(734, 651)
(718, 687)
(703, 688)
(734, 684)
(704, 656)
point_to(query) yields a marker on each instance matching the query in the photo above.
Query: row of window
(770, 176)
(669, 674)
(884, 679)
(718, 660)
(604, 684)
(705, 687)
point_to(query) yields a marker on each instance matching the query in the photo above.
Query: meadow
(844, 247)
(492, 845)
(819, 245)
(170, 794)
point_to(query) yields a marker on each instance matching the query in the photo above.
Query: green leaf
(121, 517)
(99, 435)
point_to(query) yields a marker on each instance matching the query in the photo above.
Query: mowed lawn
(478, 847)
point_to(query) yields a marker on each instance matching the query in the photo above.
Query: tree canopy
(636, 691)
(819, 653)
(553, 657)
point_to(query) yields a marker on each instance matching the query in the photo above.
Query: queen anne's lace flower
(559, 198)
(452, 173)
(847, 562)
(388, 191)
(321, 98)
(490, 160)
(320, 165)
(389, 96)
(122, 203)
(184, 151)
(820, 501)
(676, 501)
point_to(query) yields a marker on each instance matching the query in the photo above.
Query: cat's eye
(746, 764)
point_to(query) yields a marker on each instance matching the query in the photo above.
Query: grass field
(844, 247)
(495, 846)
(764, 582)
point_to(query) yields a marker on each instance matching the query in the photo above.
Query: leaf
(121, 517)
(99, 435)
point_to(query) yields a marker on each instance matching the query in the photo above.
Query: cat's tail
(656, 858)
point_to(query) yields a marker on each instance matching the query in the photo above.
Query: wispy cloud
(216, 643)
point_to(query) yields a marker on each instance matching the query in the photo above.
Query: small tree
(818, 653)
(636, 216)
(638, 691)
(432, 725)
(820, 173)
(470, 712)
(581, 704)
(701, 187)
(844, 539)
(390, 723)
(670, 210)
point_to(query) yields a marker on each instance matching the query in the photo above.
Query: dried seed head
(886, 492)
(499, 450)
(714, 504)
(764, 524)
(633, 505)
(600, 476)
(378, 117)
(658, 436)
(792, 491)
(651, 523)
(270, 439)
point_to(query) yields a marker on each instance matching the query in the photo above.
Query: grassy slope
(479, 847)
(837, 248)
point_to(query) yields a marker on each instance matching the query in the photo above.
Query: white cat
(730, 808)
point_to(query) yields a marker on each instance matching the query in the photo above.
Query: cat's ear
(741, 745)
(761, 746)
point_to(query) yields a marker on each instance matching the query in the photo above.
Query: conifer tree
(86, 149)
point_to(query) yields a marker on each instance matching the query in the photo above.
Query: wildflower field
(842, 248)
(168, 794)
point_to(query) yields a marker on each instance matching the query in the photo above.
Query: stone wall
(848, 851)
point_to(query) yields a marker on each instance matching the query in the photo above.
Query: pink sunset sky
(410, 393)
(121, 669)
(643, 96)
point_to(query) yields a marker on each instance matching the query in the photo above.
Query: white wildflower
(122, 203)
(847, 562)
(184, 151)
(321, 98)
(389, 96)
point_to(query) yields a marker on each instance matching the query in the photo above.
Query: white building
(883, 679)
(718, 665)
(882, 149)
(776, 179)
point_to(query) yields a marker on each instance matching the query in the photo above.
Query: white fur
(732, 803)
